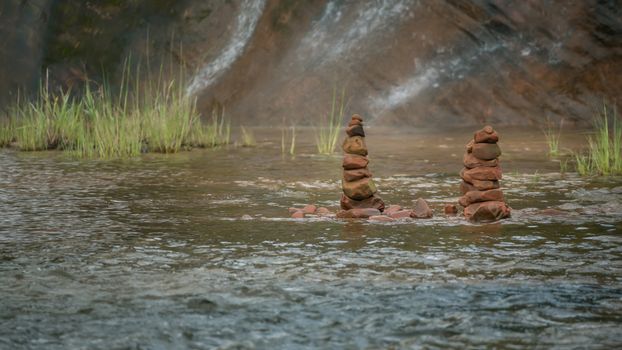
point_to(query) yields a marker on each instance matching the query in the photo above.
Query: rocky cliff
(434, 63)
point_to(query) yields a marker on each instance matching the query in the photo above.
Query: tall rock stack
(482, 199)
(359, 191)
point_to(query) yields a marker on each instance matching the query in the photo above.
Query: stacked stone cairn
(482, 199)
(359, 199)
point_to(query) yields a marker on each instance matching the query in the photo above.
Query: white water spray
(250, 12)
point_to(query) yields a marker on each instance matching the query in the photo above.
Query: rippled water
(153, 253)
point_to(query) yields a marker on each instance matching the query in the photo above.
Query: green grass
(292, 143)
(248, 138)
(604, 151)
(327, 134)
(102, 122)
(552, 136)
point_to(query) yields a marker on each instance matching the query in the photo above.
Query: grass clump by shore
(552, 136)
(103, 122)
(604, 151)
(248, 137)
(327, 134)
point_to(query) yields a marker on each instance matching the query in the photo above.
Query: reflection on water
(152, 253)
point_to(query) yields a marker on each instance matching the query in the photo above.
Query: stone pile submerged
(482, 198)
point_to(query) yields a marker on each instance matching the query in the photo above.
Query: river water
(153, 253)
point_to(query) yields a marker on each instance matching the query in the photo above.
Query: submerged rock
(421, 210)
(450, 209)
(381, 218)
(487, 211)
(360, 213)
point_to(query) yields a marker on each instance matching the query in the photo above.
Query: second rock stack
(359, 190)
(482, 199)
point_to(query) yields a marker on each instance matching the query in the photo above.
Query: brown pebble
(451, 209)
(380, 218)
(401, 214)
(357, 117)
(309, 209)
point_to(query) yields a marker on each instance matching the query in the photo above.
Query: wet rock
(355, 130)
(353, 161)
(309, 209)
(392, 209)
(247, 217)
(354, 145)
(357, 117)
(354, 122)
(481, 173)
(293, 210)
(322, 211)
(298, 215)
(421, 210)
(401, 214)
(450, 209)
(487, 211)
(356, 174)
(466, 187)
(359, 213)
(552, 212)
(486, 151)
(380, 218)
(486, 135)
(371, 202)
(481, 196)
(469, 146)
(484, 185)
(471, 162)
(359, 189)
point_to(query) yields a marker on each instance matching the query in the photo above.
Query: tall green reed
(604, 151)
(327, 134)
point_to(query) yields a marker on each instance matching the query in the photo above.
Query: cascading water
(246, 22)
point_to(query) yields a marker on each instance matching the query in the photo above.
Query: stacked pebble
(482, 199)
(359, 198)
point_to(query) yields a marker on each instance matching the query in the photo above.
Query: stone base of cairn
(359, 199)
(482, 199)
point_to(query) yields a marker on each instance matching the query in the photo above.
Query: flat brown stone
(357, 117)
(401, 214)
(466, 187)
(353, 161)
(354, 145)
(487, 211)
(362, 213)
(421, 210)
(471, 162)
(481, 173)
(359, 189)
(355, 122)
(356, 174)
(486, 151)
(355, 130)
(309, 209)
(450, 209)
(381, 218)
(392, 209)
(484, 185)
(481, 196)
(486, 135)
(371, 202)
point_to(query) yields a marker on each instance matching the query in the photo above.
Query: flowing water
(154, 253)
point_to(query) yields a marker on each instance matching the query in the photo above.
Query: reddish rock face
(371, 202)
(483, 185)
(486, 151)
(471, 162)
(487, 211)
(353, 161)
(450, 209)
(481, 196)
(360, 213)
(380, 218)
(466, 187)
(356, 174)
(359, 189)
(421, 210)
(354, 145)
(481, 173)
(401, 214)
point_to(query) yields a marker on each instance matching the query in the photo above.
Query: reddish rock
(450, 209)
(481, 173)
(356, 174)
(355, 130)
(487, 211)
(360, 213)
(357, 117)
(321, 211)
(293, 210)
(354, 145)
(353, 161)
(484, 185)
(392, 209)
(469, 146)
(371, 202)
(466, 187)
(486, 151)
(486, 135)
(309, 209)
(380, 218)
(354, 122)
(298, 215)
(359, 189)
(400, 214)
(481, 196)
(471, 162)
(421, 210)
